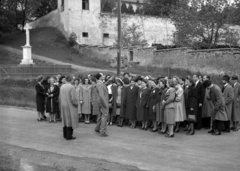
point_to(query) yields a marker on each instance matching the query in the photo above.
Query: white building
(84, 18)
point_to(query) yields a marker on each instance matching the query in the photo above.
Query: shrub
(17, 96)
(25, 83)
(72, 40)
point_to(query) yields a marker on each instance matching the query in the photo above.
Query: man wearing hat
(236, 103)
(228, 95)
(219, 113)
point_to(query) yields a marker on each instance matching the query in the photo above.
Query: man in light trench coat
(103, 102)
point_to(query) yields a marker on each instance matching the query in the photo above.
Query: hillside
(49, 42)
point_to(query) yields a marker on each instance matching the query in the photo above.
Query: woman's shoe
(145, 129)
(169, 136)
(154, 130)
(39, 119)
(191, 133)
(176, 130)
(163, 132)
(110, 123)
(216, 133)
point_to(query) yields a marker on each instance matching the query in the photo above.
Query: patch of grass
(49, 42)
(17, 96)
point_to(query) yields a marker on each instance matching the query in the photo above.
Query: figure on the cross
(27, 28)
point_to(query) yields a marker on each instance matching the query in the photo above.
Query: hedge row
(26, 83)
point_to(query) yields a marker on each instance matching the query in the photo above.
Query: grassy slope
(50, 43)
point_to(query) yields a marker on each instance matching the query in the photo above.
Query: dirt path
(41, 144)
(53, 61)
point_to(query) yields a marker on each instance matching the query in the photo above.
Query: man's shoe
(97, 131)
(73, 138)
(211, 131)
(236, 129)
(103, 135)
(226, 131)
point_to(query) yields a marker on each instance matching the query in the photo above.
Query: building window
(131, 55)
(85, 4)
(62, 5)
(105, 35)
(85, 34)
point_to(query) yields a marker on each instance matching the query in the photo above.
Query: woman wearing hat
(169, 108)
(130, 102)
(40, 98)
(152, 104)
(191, 105)
(162, 84)
(180, 109)
(123, 101)
(142, 105)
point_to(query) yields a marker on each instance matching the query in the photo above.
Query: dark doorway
(131, 55)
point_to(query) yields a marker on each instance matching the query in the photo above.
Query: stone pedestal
(27, 55)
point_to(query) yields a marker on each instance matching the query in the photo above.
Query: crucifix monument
(27, 49)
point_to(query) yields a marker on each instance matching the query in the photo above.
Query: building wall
(72, 18)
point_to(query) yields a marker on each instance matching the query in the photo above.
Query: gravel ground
(13, 158)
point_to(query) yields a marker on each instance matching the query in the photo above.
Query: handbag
(191, 117)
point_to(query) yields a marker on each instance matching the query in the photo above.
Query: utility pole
(119, 39)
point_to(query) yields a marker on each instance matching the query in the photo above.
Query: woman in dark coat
(123, 103)
(40, 98)
(159, 108)
(142, 105)
(130, 102)
(52, 100)
(152, 104)
(116, 102)
(191, 105)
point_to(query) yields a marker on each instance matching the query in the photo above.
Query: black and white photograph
(119, 85)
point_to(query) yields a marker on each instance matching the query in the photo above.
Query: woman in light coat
(169, 108)
(180, 110)
(86, 100)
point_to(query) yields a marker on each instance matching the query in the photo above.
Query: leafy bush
(72, 39)
(18, 92)
(17, 96)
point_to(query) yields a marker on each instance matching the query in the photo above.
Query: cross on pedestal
(27, 49)
(27, 28)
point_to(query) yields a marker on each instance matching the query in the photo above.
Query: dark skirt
(52, 105)
(159, 112)
(40, 102)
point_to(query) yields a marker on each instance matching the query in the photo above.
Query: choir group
(163, 105)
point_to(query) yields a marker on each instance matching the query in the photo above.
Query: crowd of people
(165, 105)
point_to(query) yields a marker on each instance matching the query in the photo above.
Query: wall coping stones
(173, 49)
(214, 50)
